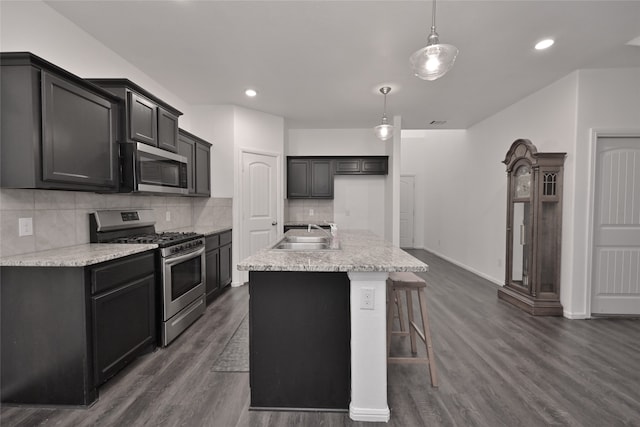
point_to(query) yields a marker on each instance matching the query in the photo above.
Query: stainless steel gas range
(180, 264)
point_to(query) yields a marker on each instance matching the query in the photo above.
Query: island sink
(306, 243)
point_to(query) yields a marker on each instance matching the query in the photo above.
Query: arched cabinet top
(524, 149)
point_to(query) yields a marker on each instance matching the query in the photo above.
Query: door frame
(238, 209)
(595, 134)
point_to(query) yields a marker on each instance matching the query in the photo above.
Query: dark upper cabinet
(309, 178)
(142, 119)
(322, 179)
(312, 177)
(167, 130)
(198, 154)
(203, 169)
(298, 178)
(57, 130)
(147, 118)
(377, 165)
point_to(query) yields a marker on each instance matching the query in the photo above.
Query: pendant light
(384, 130)
(434, 60)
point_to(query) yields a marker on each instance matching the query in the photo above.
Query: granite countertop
(206, 230)
(361, 250)
(75, 256)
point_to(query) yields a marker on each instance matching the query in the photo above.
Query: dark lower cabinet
(57, 130)
(123, 325)
(66, 330)
(299, 340)
(218, 263)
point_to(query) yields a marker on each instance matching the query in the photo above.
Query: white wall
(359, 202)
(430, 156)
(334, 142)
(464, 182)
(608, 102)
(34, 27)
(254, 131)
(215, 123)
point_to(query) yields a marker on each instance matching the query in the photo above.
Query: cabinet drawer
(212, 242)
(121, 271)
(225, 238)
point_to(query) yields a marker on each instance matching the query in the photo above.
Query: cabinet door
(167, 130)
(203, 170)
(123, 325)
(143, 119)
(374, 166)
(298, 178)
(225, 265)
(347, 166)
(187, 148)
(321, 179)
(212, 258)
(78, 144)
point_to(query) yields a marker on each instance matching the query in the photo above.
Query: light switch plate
(25, 227)
(367, 299)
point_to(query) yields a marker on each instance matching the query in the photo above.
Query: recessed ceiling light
(250, 93)
(544, 44)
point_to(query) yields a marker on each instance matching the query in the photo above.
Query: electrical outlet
(367, 299)
(168, 216)
(311, 212)
(25, 227)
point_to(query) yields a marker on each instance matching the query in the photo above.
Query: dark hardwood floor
(497, 366)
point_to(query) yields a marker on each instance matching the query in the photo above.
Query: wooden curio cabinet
(534, 222)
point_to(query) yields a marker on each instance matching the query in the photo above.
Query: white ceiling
(319, 64)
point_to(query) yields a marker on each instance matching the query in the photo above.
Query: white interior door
(407, 194)
(616, 235)
(259, 202)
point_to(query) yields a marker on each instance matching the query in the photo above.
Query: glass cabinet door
(520, 245)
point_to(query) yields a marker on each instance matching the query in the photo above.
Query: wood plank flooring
(497, 366)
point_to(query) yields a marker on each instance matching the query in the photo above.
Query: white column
(368, 349)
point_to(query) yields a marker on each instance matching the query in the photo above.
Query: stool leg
(412, 331)
(390, 304)
(427, 336)
(397, 296)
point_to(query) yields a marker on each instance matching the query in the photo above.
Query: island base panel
(299, 329)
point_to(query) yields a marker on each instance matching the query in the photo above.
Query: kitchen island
(318, 325)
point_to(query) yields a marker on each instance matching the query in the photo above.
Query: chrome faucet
(319, 228)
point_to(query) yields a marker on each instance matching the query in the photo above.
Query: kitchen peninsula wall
(60, 218)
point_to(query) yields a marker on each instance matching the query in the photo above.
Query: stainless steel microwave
(147, 169)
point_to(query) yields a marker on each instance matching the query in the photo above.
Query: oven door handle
(180, 258)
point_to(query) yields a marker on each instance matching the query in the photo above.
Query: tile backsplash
(61, 218)
(308, 210)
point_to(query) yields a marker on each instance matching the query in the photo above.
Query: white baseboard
(466, 267)
(238, 284)
(369, 414)
(575, 316)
